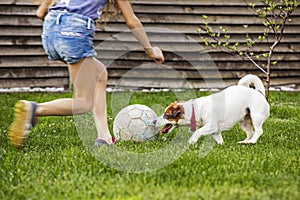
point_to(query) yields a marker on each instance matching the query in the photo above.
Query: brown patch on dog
(174, 112)
(201, 123)
(247, 122)
(251, 85)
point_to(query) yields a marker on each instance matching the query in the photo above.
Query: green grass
(55, 164)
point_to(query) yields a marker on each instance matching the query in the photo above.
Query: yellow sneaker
(24, 121)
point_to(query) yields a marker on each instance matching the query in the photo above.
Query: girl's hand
(156, 54)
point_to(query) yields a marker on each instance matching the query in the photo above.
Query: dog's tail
(252, 81)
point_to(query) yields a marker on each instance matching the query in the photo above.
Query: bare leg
(100, 107)
(89, 77)
(84, 84)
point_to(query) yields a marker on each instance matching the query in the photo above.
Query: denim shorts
(68, 36)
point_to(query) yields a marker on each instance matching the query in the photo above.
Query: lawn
(54, 163)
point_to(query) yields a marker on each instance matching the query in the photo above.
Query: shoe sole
(21, 125)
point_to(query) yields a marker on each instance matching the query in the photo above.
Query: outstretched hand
(156, 54)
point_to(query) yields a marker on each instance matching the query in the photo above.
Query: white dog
(244, 103)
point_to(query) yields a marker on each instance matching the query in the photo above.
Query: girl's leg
(100, 107)
(89, 77)
(84, 80)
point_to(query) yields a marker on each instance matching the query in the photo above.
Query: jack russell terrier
(244, 103)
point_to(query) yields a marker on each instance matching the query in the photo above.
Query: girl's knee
(82, 106)
(88, 107)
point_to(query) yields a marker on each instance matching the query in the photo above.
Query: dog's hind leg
(257, 124)
(218, 138)
(247, 126)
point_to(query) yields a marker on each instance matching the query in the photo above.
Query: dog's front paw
(192, 141)
(246, 142)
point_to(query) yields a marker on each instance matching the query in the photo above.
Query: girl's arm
(138, 31)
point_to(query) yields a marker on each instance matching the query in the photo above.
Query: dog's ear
(178, 111)
(174, 111)
(169, 110)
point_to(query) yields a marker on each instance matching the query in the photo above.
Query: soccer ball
(135, 123)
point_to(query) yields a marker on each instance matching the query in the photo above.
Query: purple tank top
(89, 8)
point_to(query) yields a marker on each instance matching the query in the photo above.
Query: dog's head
(172, 117)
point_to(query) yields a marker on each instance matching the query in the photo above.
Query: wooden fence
(172, 25)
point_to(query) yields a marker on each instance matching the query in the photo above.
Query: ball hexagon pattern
(135, 123)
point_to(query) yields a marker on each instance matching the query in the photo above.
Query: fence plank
(41, 82)
(172, 25)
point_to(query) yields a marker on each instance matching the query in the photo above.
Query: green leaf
(233, 48)
(277, 27)
(263, 15)
(266, 24)
(205, 41)
(226, 44)
(252, 5)
(274, 63)
(260, 37)
(204, 17)
(246, 26)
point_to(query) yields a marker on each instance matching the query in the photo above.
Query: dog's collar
(193, 122)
